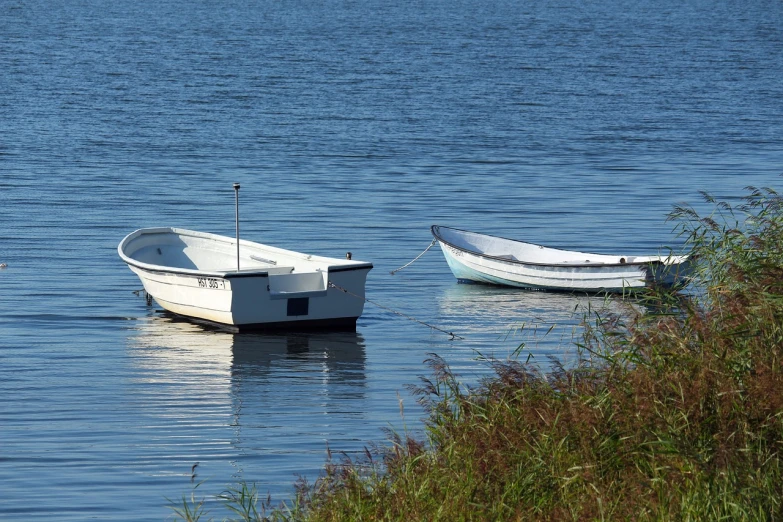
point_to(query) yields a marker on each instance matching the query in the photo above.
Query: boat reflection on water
(172, 343)
(259, 401)
(545, 322)
(338, 357)
(182, 356)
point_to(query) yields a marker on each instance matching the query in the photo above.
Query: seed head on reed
(672, 413)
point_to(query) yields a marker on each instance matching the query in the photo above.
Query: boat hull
(329, 295)
(471, 266)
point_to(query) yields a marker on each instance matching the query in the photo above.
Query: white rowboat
(481, 258)
(202, 276)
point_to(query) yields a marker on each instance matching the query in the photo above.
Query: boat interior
(180, 249)
(501, 248)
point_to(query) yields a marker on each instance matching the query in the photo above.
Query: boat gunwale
(434, 229)
(163, 269)
(230, 274)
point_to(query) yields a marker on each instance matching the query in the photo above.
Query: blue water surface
(352, 126)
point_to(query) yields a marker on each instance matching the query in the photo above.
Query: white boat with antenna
(243, 285)
(481, 258)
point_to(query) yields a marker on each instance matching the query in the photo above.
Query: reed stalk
(675, 413)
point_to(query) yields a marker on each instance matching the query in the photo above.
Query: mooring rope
(434, 241)
(452, 334)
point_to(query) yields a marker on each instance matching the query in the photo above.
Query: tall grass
(672, 414)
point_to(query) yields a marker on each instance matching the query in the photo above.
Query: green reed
(671, 414)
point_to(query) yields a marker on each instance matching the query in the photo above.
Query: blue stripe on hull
(464, 273)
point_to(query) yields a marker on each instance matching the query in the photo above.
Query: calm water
(351, 126)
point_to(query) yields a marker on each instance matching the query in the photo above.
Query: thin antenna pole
(236, 208)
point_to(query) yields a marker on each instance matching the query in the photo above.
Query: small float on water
(482, 258)
(243, 285)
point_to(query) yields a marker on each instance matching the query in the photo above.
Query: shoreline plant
(671, 414)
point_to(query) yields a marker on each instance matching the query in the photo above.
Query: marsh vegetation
(675, 413)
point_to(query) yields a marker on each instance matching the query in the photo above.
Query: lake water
(352, 126)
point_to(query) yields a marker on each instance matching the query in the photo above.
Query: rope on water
(434, 241)
(340, 288)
